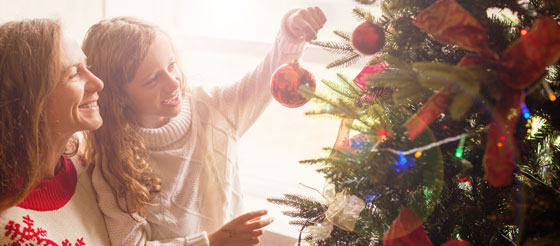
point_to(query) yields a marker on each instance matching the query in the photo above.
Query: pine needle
(334, 47)
(345, 61)
(347, 36)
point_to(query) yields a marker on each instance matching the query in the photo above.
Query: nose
(93, 83)
(172, 81)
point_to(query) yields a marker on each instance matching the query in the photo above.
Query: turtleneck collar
(171, 132)
(53, 193)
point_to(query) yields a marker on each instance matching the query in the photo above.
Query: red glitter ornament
(285, 84)
(456, 242)
(368, 38)
(406, 229)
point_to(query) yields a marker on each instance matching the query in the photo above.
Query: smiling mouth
(174, 99)
(89, 105)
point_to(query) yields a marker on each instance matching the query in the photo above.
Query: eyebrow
(76, 63)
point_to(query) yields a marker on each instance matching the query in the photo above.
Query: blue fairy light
(402, 159)
(373, 197)
(525, 110)
(403, 163)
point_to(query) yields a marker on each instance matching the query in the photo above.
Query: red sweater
(59, 211)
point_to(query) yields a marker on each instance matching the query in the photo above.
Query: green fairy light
(427, 192)
(459, 151)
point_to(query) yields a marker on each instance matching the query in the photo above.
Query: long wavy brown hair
(30, 68)
(114, 49)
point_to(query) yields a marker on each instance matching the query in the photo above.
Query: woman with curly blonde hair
(165, 162)
(48, 94)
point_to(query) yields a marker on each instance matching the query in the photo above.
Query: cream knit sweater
(195, 154)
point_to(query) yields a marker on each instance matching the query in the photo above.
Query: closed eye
(172, 66)
(152, 80)
(73, 72)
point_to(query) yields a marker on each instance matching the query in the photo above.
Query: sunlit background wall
(219, 41)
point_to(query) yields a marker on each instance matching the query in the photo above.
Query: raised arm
(244, 101)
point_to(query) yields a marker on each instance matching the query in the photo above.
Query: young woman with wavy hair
(48, 94)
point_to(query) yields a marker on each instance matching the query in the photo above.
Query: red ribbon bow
(520, 65)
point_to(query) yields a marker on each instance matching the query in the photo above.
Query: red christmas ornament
(368, 38)
(456, 242)
(406, 230)
(285, 84)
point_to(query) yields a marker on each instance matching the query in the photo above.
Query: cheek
(64, 102)
(61, 114)
(142, 99)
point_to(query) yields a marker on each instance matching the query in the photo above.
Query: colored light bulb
(523, 32)
(459, 151)
(525, 111)
(549, 91)
(382, 134)
(402, 163)
(402, 159)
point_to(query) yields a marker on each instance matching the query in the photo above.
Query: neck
(52, 160)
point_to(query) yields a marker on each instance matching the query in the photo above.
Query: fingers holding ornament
(305, 23)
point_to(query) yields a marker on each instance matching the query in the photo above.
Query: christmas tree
(450, 135)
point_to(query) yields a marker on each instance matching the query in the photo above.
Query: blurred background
(219, 41)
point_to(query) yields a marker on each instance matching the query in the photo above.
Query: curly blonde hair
(115, 49)
(30, 68)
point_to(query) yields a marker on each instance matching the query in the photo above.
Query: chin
(93, 124)
(175, 111)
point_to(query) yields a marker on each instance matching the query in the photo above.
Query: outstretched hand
(305, 23)
(241, 231)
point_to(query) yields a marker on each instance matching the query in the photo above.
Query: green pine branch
(345, 61)
(334, 47)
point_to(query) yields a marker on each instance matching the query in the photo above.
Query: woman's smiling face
(72, 105)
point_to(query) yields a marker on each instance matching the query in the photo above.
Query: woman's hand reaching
(241, 231)
(305, 23)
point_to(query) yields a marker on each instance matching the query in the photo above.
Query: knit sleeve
(126, 230)
(243, 102)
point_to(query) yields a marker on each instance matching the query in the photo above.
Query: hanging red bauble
(287, 80)
(368, 38)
